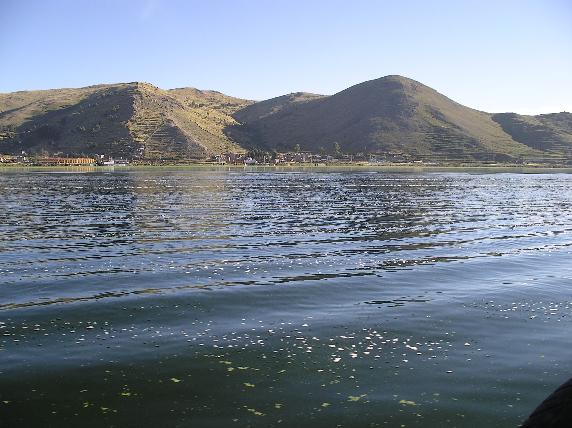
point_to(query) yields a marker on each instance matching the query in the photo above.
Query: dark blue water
(320, 298)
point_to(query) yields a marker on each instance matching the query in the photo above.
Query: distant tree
(297, 148)
(259, 154)
(337, 148)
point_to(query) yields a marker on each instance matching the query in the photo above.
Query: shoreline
(401, 167)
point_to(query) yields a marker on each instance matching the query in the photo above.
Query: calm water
(217, 298)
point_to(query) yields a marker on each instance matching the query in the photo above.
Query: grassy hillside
(133, 120)
(549, 133)
(273, 106)
(390, 114)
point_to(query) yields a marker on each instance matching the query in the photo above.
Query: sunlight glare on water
(318, 298)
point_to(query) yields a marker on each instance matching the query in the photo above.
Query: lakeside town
(263, 158)
(247, 158)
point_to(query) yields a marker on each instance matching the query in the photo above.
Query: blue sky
(492, 55)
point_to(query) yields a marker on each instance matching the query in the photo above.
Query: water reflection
(281, 298)
(222, 228)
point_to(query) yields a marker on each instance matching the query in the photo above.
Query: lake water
(294, 298)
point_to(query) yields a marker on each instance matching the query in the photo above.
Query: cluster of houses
(304, 157)
(252, 158)
(265, 158)
(60, 160)
(15, 159)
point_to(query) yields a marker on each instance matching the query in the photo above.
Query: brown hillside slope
(549, 133)
(390, 114)
(133, 120)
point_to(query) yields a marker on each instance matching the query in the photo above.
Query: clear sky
(501, 55)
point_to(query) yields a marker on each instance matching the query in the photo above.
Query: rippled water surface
(321, 298)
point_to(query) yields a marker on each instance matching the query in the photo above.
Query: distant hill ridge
(132, 120)
(392, 114)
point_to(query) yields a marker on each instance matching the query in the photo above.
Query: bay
(218, 297)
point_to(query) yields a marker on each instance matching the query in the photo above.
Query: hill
(398, 115)
(392, 116)
(549, 133)
(132, 120)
